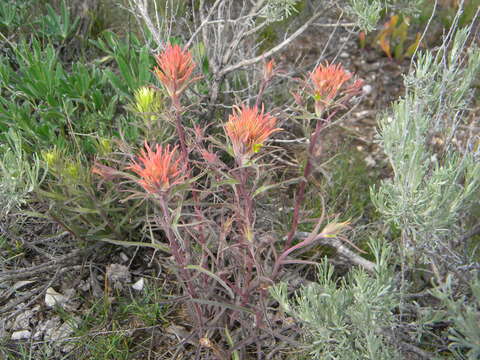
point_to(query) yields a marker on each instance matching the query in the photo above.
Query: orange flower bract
(159, 169)
(175, 69)
(248, 128)
(326, 84)
(327, 81)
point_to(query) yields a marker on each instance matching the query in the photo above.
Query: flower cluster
(175, 69)
(248, 128)
(326, 83)
(159, 169)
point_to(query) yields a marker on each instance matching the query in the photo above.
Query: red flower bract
(327, 81)
(159, 169)
(248, 128)
(175, 68)
(326, 84)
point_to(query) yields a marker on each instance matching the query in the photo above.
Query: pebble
(53, 298)
(138, 284)
(21, 335)
(123, 257)
(370, 161)
(367, 89)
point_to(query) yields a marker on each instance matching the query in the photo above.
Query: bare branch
(272, 51)
(205, 21)
(341, 249)
(141, 7)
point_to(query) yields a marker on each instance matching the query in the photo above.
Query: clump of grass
(345, 182)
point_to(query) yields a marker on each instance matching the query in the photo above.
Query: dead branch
(267, 54)
(342, 250)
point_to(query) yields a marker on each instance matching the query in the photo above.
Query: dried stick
(267, 54)
(142, 10)
(205, 21)
(348, 254)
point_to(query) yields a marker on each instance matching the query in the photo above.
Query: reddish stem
(287, 252)
(300, 195)
(263, 86)
(245, 214)
(179, 257)
(177, 108)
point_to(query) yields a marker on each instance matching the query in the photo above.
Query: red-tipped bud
(269, 70)
(209, 157)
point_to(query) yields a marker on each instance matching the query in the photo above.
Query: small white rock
(124, 257)
(53, 298)
(21, 335)
(138, 285)
(367, 89)
(344, 55)
(370, 161)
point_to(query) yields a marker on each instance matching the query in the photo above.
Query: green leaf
(137, 243)
(264, 188)
(225, 182)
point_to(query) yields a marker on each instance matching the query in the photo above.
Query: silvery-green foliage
(367, 13)
(426, 194)
(346, 319)
(18, 176)
(430, 191)
(464, 314)
(405, 7)
(444, 81)
(277, 10)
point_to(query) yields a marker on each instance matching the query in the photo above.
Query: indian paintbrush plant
(234, 223)
(205, 205)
